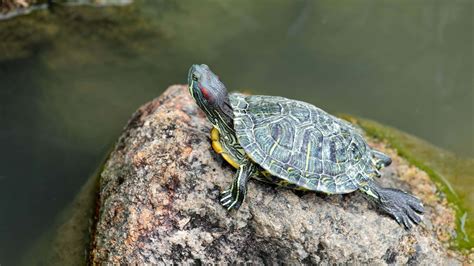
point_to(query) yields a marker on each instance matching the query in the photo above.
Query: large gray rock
(159, 203)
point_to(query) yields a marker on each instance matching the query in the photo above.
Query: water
(70, 78)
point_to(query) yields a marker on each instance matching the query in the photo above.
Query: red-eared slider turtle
(294, 144)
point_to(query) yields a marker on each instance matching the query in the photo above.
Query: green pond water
(71, 76)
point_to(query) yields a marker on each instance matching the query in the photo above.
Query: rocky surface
(58, 37)
(159, 203)
(12, 8)
(9, 5)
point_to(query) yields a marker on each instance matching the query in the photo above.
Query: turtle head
(205, 87)
(209, 92)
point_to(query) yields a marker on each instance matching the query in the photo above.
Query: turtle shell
(301, 143)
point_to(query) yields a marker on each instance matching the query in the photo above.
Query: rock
(12, 8)
(9, 5)
(159, 204)
(52, 33)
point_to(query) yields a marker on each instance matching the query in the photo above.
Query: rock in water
(159, 203)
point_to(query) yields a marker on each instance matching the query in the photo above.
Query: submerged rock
(12, 8)
(7, 6)
(159, 203)
(53, 29)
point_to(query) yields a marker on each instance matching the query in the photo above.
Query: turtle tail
(381, 159)
(403, 207)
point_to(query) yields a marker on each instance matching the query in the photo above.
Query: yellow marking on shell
(217, 146)
(272, 149)
(272, 162)
(302, 189)
(308, 149)
(266, 173)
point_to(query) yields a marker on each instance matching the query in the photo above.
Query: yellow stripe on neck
(217, 146)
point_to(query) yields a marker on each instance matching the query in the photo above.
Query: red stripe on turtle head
(207, 95)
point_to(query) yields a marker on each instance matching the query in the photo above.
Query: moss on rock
(454, 176)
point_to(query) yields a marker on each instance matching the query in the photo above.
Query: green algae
(61, 30)
(453, 176)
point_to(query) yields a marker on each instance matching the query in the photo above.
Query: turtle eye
(194, 77)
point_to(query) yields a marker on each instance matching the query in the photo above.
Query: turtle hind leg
(381, 159)
(233, 197)
(405, 208)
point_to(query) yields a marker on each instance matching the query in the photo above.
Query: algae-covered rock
(453, 175)
(53, 29)
(159, 203)
(7, 6)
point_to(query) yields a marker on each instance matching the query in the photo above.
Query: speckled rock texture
(159, 204)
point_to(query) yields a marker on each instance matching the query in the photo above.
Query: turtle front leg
(233, 197)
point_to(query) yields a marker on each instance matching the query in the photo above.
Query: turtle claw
(233, 197)
(405, 208)
(228, 201)
(225, 197)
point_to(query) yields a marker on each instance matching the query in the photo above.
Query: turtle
(293, 144)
